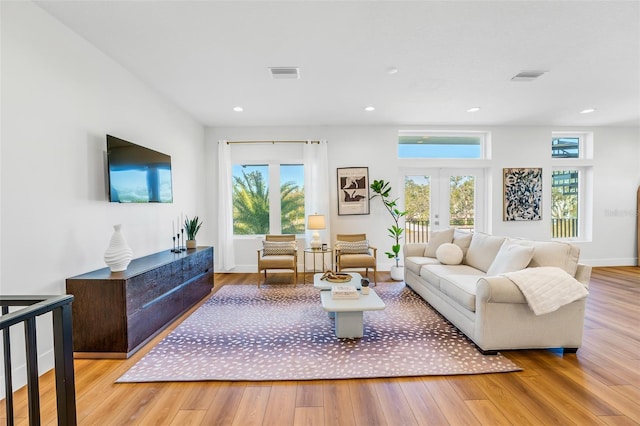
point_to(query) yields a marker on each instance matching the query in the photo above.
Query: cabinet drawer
(146, 287)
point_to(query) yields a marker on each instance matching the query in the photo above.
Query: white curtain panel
(316, 185)
(224, 251)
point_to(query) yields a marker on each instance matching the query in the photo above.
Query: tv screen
(137, 174)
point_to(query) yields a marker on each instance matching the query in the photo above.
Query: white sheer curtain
(316, 185)
(224, 251)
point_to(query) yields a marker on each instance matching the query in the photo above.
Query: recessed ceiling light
(392, 70)
(587, 111)
(369, 108)
(473, 109)
(238, 109)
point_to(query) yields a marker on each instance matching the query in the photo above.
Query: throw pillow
(278, 248)
(436, 239)
(353, 247)
(510, 258)
(449, 254)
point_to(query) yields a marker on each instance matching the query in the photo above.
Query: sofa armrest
(583, 274)
(413, 249)
(498, 289)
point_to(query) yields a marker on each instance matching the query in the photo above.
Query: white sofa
(483, 303)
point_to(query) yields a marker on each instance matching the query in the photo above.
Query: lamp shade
(316, 221)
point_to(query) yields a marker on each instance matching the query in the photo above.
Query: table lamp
(316, 222)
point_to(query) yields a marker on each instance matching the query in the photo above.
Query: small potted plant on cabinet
(382, 189)
(192, 226)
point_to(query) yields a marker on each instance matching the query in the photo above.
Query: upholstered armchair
(278, 252)
(352, 251)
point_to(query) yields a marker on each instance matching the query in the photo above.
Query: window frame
(583, 164)
(275, 206)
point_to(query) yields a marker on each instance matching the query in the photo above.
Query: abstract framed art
(522, 194)
(353, 190)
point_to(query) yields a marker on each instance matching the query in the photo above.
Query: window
(257, 210)
(565, 147)
(441, 144)
(565, 189)
(570, 184)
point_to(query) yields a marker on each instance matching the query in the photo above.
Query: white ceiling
(209, 56)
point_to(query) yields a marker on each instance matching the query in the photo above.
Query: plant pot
(191, 244)
(397, 273)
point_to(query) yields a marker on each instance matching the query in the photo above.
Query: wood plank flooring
(598, 385)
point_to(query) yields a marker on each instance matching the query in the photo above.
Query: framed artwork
(353, 190)
(522, 194)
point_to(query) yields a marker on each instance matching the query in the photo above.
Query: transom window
(432, 144)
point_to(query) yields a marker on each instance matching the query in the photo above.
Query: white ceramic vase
(397, 273)
(118, 254)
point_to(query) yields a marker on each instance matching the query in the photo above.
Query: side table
(314, 252)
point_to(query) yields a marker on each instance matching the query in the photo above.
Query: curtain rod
(271, 142)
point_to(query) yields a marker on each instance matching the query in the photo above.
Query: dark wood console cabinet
(115, 313)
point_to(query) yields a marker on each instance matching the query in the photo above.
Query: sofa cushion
(353, 247)
(434, 273)
(415, 263)
(461, 288)
(482, 250)
(436, 239)
(449, 254)
(553, 253)
(510, 258)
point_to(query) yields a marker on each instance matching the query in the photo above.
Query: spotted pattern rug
(279, 332)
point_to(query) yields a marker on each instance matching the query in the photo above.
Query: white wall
(60, 96)
(615, 165)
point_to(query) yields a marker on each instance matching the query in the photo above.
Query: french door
(439, 198)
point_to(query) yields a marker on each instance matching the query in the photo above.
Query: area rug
(279, 332)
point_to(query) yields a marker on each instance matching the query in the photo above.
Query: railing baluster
(8, 375)
(33, 388)
(65, 378)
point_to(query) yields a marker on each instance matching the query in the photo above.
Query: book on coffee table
(344, 292)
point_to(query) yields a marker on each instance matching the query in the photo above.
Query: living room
(61, 95)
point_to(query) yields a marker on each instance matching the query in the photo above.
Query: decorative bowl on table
(333, 277)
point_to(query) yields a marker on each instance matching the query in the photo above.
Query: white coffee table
(326, 285)
(349, 313)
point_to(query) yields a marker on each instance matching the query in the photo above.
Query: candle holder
(182, 247)
(174, 249)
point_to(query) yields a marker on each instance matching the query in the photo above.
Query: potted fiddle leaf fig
(191, 227)
(382, 189)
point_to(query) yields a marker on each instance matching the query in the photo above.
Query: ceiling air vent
(527, 75)
(278, 73)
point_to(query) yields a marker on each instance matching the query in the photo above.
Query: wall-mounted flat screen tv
(137, 174)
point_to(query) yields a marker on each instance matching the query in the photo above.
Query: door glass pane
(462, 202)
(250, 199)
(292, 198)
(417, 203)
(564, 203)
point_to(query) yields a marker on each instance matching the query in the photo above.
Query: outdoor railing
(564, 228)
(416, 231)
(34, 306)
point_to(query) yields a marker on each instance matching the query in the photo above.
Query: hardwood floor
(598, 385)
